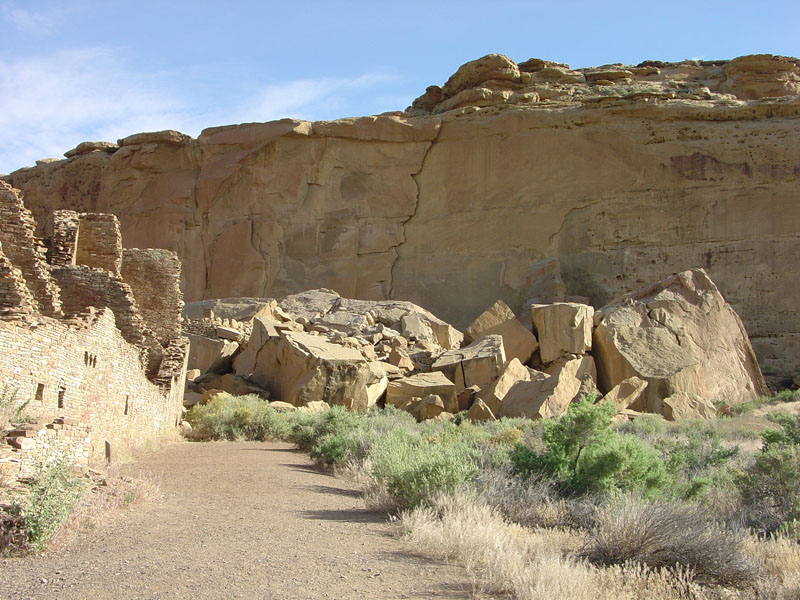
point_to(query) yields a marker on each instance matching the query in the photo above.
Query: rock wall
(95, 363)
(625, 174)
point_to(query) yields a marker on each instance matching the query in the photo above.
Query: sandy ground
(236, 520)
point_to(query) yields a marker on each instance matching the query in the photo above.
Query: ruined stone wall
(15, 298)
(99, 243)
(27, 446)
(625, 175)
(64, 225)
(82, 287)
(84, 370)
(154, 278)
(25, 251)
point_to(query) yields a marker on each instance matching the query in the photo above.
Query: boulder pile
(675, 349)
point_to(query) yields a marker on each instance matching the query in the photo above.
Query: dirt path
(237, 520)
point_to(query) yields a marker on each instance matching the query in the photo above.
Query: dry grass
(105, 497)
(543, 563)
(665, 534)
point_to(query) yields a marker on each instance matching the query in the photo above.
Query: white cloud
(43, 22)
(51, 103)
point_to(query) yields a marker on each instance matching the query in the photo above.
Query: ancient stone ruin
(91, 348)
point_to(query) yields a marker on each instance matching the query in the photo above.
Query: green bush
(227, 417)
(584, 455)
(770, 487)
(415, 468)
(53, 492)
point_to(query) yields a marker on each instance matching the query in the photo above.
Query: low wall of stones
(83, 369)
(29, 445)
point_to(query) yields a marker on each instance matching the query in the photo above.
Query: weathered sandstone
(678, 335)
(626, 174)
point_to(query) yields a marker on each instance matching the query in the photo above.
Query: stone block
(421, 385)
(562, 328)
(479, 364)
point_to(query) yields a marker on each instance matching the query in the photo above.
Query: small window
(86, 358)
(62, 391)
(127, 403)
(40, 392)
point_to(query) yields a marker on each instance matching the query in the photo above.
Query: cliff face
(625, 174)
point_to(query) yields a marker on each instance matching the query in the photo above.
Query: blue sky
(100, 70)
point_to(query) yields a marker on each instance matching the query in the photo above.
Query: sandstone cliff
(624, 174)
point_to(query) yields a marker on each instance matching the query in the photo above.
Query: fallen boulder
(547, 395)
(210, 355)
(518, 341)
(479, 412)
(562, 328)
(681, 405)
(678, 335)
(479, 364)
(300, 368)
(421, 385)
(627, 395)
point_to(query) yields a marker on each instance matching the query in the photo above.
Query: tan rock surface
(562, 328)
(542, 398)
(687, 406)
(499, 319)
(210, 354)
(679, 335)
(479, 412)
(699, 168)
(513, 374)
(421, 385)
(627, 394)
(300, 368)
(479, 364)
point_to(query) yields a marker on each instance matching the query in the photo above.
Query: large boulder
(627, 395)
(678, 335)
(518, 341)
(687, 406)
(545, 395)
(514, 373)
(422, 385)
(479, 364)
(300, 368)
(562, 328)
(210, 355)
(264, 329)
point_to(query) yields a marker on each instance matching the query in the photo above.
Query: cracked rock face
(624, 174)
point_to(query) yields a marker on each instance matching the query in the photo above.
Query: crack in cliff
(396, 248)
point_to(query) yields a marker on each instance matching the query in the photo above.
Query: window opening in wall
(94, 360)
(127, 403)
(86, 358)
(108, 452)
(62, 391)
(39, 392)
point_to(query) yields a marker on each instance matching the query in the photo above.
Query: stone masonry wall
(84, 370)
(64, 237)
(25, 251)
(83, 287)
(30, 444)
(154, 277)
(99, 242)
(15, 298)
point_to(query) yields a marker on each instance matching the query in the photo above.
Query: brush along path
(237, 520)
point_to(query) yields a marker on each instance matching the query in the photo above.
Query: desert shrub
(696, 458)
(668, 534)
(227, 417)
(532, 502)
(415, 468)
(53, 492)
(10, 411)
(584, 455)
(771, 485)
(779, 398)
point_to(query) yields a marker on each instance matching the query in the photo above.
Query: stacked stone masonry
(25, 250)
(27, 446)
(98, 366)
